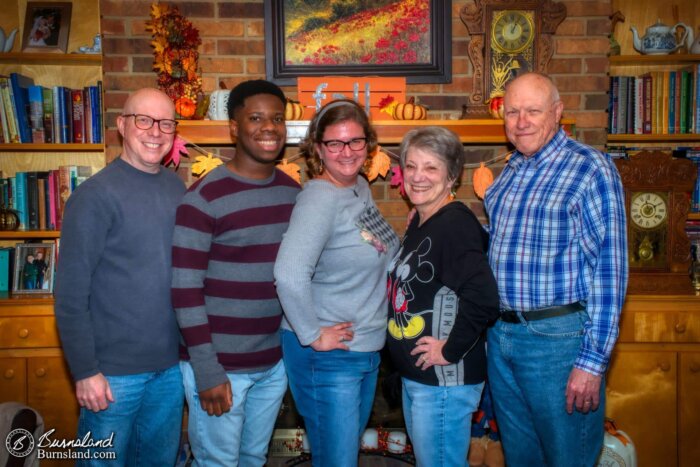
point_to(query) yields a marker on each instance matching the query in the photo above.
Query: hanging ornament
(380, 163)
(482, 179)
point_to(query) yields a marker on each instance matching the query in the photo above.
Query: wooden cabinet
(653, 385)
(32, 368)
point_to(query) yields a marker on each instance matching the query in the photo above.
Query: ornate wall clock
(657, 196)
(507, 37)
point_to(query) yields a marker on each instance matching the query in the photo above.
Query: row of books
(31, 113)
(39, 197)
(658, 102)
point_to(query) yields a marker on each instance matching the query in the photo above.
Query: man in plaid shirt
(559, 254)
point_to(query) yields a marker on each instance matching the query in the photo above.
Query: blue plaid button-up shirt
(558, 236)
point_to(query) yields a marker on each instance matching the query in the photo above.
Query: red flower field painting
(357, 32)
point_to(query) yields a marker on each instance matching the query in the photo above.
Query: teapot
(6, 42)
(659, 39)
(693, 44)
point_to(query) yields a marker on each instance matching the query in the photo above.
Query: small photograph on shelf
(46, 27)
(34, 266)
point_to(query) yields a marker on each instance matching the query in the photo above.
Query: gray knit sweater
(332, 264)
(113, 306)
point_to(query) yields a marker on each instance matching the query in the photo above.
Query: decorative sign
(315, 92)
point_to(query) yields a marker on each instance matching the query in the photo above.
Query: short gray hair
(440, 142)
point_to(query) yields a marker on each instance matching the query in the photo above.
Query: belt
(510, 316)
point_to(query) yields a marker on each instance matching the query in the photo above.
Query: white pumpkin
(218, 105)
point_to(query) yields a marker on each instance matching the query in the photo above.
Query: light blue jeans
(145, 417)
(438, 421)
(529, 365)
(242, 435)
(334, 392)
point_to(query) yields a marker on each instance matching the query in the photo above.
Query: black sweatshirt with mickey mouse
(440, 285)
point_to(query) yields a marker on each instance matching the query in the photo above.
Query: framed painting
(46, 26)
(406, 38)
(34, 266)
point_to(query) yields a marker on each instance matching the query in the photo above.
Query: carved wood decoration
(659, 172)
(479, 18)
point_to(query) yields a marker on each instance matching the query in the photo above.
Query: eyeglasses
(335, 145)
(144, 122)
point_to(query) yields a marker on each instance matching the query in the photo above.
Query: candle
(370, 439)
(396, 442)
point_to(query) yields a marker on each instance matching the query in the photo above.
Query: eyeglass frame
(153, 122)
(345, 143)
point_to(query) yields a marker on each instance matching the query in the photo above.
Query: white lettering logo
(19, 442)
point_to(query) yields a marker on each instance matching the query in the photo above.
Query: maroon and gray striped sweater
(227, 234)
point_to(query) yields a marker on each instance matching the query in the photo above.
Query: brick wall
(233, 50)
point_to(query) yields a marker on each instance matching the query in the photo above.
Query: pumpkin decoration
(481, 180)
(185, 107)
(293, 110)
(496, 106)
(410, 111)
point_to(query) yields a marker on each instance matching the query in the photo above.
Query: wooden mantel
(471, 131)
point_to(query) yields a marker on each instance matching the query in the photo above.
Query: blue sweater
(112, 292)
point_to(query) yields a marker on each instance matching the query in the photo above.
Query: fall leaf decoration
(204, 164)
(379, 165)
(397, 180)
(481, 180)
(175, 56)
(291, 169)
(387, 105)
(179, 149)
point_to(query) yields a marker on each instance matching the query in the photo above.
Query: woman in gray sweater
(331, 279)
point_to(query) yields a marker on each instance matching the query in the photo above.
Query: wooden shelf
(670, 59)
(472, 131)
(22, 234)
(654, 138)
(52, 147)
(19, 58)
(9, 299)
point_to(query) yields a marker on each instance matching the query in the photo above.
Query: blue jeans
(242, 435)
(528, 366)
(438, 421)
(334, 392)
(145, 417)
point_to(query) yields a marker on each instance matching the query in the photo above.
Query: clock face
(511, 49)
(648, 229)
(512, 31)
(648, 210)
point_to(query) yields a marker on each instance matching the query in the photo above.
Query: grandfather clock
(508, 37)
(657, 200)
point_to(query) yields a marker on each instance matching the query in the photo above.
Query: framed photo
(34, 266)
(405, 38)
(46, 26)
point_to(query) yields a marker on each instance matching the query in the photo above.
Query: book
(13, 133)
(78, 115)
(47, 100)
(32, 201)
(19, 87)
(622, 106)
(57, 114)
(6, 272)
(21, 200)
(613, 103)
(99, 112)
(66, 115)
(41, 199)
(64, 187)
(36, 112)
(647, 107)
(664, 96)
(52, 193)
(671, 102)
(638, 105)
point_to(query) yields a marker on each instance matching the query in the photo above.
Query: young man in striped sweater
(228, 230)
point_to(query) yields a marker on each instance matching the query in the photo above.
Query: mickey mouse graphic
(405, 325)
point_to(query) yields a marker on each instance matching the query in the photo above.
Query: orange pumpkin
(293, 110)
(482, 179)
(410, 111)
(185, 107)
